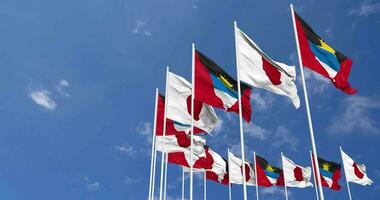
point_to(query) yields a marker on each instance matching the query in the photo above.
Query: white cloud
(91, 185)
(126, 149)
(255, 131)
(356, 115)
(316, 83)
(41, 97)
(328, 32)
(130, 180)
(261, 101)
(141, 27)
(365, 9)
(218, 126)
(283, 137)
(60, 87)
(274, 190)
(145, 129)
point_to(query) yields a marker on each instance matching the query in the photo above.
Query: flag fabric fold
(296, 175)
(355, 173)
(236, 171)
(320, 57)
(179, 106)
(259, 70)
(329, 173)
(217, 88)
(181, 143)
(268, 175)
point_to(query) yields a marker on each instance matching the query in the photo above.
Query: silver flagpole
(314, 148)
(257, 183)
(192, 120)
(204, 186)
(315, 178)
(229, 182)
(348, 185)
(166, 174)
(154, 168)
(240, 113)
(183, 184)
(286, 190)
(153, 147)
(164, 134)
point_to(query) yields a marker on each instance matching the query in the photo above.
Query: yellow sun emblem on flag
(226, 82)
(270, 168)
(326, 47)
(326, 166)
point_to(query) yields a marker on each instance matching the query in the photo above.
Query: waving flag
(179, 106)
(211, 162)
(355, 173)
(296, 175)
(181, 143)
(330, 174)
(236, 171)
(215, 87)
(268, 175)
(172, 127)
(320, 57)
(259, 70)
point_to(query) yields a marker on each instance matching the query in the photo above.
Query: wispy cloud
(42, 98)
(145, 129)
(140, 27)
(365, 9)
(255, 131)
(130, 180)
(274, 190)
(61, 86)
(126, 149)
(355, 114)
(262, 101)
(316, 83)
(91, 185)
(218, 127)
(283, 137)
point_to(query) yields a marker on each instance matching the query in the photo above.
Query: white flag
(179, 105)
(236, 171)
(181, 143)
(295, 175)
(355, 173)
(259, 70)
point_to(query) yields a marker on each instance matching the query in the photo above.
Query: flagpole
(315, 178)
(204, 186)
(240, 113)
(164, 134)
(257, 183)
(154, 166)
(286, 190)
(153, 147)
(229, 182)
(166, 174)
(314, 148)
(192, 120)
(348, 185)
(183, 184)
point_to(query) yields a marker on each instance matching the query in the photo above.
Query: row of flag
(187, 110)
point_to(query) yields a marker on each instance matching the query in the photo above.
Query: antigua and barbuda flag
(235, 169)
(172, 127)
(355, 173)
(320, 57)
(268, 175)
(179, 105)
(259, 70)
(330, 173)
(217, 88)
(296, 175)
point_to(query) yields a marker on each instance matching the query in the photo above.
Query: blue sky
(78, 80)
